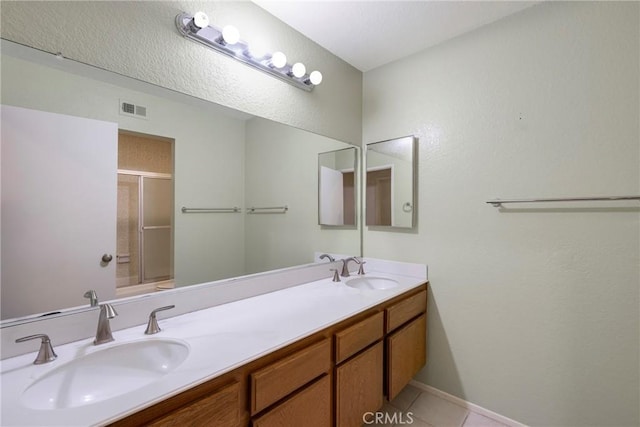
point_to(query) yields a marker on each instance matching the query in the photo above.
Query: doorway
(379, 196)
(144, 253)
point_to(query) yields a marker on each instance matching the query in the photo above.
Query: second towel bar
(210, 210)
(497, 202)
(264, 210)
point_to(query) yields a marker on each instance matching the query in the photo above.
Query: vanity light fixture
(227, 40)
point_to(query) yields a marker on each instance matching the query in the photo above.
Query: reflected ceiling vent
(130, 109)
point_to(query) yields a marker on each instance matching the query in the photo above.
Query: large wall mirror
(337, 187)
(126, 188)
(390, 183)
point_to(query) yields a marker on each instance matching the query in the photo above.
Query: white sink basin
(372, 283)
(105, 374)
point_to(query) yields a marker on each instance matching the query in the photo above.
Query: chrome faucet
(345, 266)
(329, 257)
(46, 353)
(103, 333)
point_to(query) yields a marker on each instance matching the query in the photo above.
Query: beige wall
(534, 311)
(282, 169)
(139, 39)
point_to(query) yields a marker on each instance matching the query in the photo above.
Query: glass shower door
(156, 207)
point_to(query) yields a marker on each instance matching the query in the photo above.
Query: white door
(59, 193)
(331, 197)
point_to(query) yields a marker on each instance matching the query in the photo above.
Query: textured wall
(139, 39)
(534, 311)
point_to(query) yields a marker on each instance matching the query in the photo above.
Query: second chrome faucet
(103, 333)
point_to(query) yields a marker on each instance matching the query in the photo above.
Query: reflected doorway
(144, 253)
(379, 196)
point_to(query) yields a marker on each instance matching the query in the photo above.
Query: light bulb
(278, 59)
(230, 34)
(200, 20)
(298, 69)
(315, 77)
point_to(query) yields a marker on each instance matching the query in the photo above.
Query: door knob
(106, 258)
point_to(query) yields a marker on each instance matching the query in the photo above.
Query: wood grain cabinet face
(406, 354)
(405, 310)
(275, 381)
(310, 407)
(351, 340)
(359, 387)
(220, 409)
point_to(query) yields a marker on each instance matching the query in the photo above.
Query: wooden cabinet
(406, 309)
(221, 409)
(359, 386)
(331, 378)
(273, 382)
(310, 407)
(406, 354)
(351, 340)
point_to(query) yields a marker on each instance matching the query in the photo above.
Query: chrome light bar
(196, 27)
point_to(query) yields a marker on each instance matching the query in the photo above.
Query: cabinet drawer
(221, 409)
(406, 309)
(406, 354)
(310, 407)
(353, 339)
(273, 382)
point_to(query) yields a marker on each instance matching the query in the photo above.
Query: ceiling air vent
(130, 109)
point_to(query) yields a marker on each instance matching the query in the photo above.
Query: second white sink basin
(372, 283)
(105, 374)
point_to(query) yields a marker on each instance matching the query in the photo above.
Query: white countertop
(220, 339)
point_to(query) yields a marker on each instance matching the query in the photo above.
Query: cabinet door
(221, 409)
(359, 387)
(406, 354)
(310, 407)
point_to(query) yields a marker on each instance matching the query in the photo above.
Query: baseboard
(468, 405)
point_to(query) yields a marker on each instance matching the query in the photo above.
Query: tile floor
(416, 408)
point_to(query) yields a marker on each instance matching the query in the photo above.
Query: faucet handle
(152, 325)
(46, 353)
(361, 264)
(336, 275)
(93, 297)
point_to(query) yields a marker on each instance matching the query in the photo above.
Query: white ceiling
(368, 34)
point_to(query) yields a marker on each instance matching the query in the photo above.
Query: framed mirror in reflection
(97, 167)
(337, 184)
(390, 183)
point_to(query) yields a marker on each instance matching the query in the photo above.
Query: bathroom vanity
(339, 373)
(319, 353)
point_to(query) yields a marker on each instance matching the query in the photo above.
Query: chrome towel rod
(210, 210)
(498, 202)
(254, 210)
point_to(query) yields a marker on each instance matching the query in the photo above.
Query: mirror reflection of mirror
(390, 183)
(120, 196)
(337, 187)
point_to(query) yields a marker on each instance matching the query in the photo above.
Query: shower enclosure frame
(141, 228)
